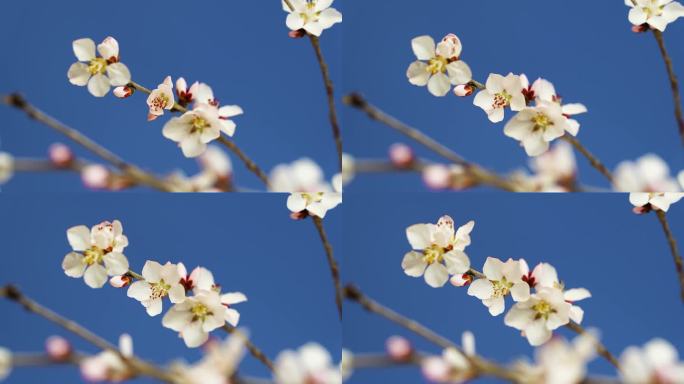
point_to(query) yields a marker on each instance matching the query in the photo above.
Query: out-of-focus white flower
(58, 348)
(303, 175)
(98, 73)
(6, 167)
(398, 348)
(96, 176)
(561, 362)
(657, 200)
(501, 279)
(108, 365)
(160, 281)
(98, 252)
(656, 13)
(501, 92)
(346, 364)
(438, 66)
(537, 126)
(437, 176)
(348, 169)
(5, 362)
(215, 161)
(313, 16)
(657, 362)
(160, 99)
(314, 203)
(453, 366)
(649, 173)
(545, 311)
(556, 167)
(438, 251)
(310, 364)
(219, 362)
(544, 275)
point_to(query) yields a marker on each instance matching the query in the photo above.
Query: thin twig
(334, 268)
(44, 165)
(139, 366)
(481, 366)
(248, 162)
(330, 93)
(674, 83)
(482, 175)
(39, 360)
(600, 348)
(253, 349)
(17, 101)
(679, 264)
(593, 160)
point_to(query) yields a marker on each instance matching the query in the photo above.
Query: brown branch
(482, 175)
(330, 92)
(17, 101)
(593, 160)
(481, 366)
(137, 365)
(334, 268)
(252, 348)
(679, 264)
(248, 162)
(674, 83)
(600, 348)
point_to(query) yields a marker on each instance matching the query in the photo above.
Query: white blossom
(302, 175)
(6, 167)
(220, 361)
(5, 363)
(160, 281)
(313, 16)
(501, 92)
(194, 130)
(501, 279)
(555, 169)
(97, 253)
(452, 366)
(535, 127)
(544, 91)
(315, 203)
(657, 362)
(195, 317)
(545, 311)
(656, 13)
(649, 173)
(160, 99)
(438, 66)
(438, 251)
(658, 200)
(346, 364)
(99, 73)
(310, 364)
(108, 365)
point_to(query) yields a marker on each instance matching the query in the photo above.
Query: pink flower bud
(299, 215)
(60, 155)
(401, 155)
(437, 176)
(435, 369)
(640, 28)
(463, 90)
(297, 34)
(58, 348)
(95, 176)
(120, 281)
(398, 348)
(461, 280)
(123, 92)
(642, 210)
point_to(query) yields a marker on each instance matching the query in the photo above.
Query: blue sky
(593, 240)
(278, 263)
(584, 47)
(240, 48)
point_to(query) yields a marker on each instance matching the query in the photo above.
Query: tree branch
(674, 83)
(334, 268)
(679, 264)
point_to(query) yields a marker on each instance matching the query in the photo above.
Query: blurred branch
(17, 101)
(600, 348)
(679, 264)
(334, 268)
(674, 83)
(252, 348)
(593, 160)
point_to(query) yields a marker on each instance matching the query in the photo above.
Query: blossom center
(93, 255)
(97, 65)
(160, 289)
(160, 101)
(313, 197)
(501, 287)
(433, 254)
(310, 15)
(541, 122)
(437, 65)
(543, 310)
(199, 124)
(200, 312)
(502, 99)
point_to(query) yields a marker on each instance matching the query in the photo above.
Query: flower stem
(253, 349)
(679, 264)
(600, 348)
(674, 83)
(330, 92)
(248, 162)
(481, 175)
(137, 174)
(593, 160)
(334, 268)
(139, 366)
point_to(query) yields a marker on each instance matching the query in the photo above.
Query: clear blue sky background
(278, 263)
(592, 239)
(584, 47)
(240, 48)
